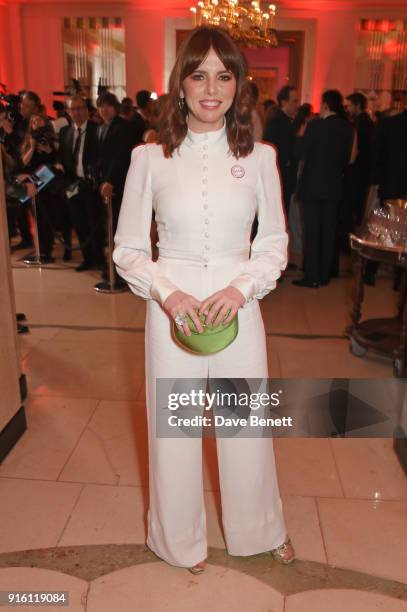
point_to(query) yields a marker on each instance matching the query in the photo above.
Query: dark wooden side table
(388, 335)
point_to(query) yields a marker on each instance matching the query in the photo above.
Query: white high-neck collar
(212, 138)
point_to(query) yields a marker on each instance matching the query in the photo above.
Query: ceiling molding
(180, 5)
(348, 5)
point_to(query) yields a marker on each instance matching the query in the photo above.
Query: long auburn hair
(25, 145)
(192, 52)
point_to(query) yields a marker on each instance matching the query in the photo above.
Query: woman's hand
(217, 305)
(106, 191)
(302, 129)
(28, 150)
(180, 303)
(44, 148)
(31, 190)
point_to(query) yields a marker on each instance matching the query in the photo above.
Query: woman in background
(38, 149)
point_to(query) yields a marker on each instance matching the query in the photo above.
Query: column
(12, 413)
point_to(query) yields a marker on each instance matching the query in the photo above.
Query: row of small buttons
(205, 203)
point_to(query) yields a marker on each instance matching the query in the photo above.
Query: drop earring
(181, 102)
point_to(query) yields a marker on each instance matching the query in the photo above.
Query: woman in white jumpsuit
(205, 200)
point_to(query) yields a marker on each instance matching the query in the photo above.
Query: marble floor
(74, 490)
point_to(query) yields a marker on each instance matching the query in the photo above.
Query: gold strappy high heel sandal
(280, 553)
(198, 568)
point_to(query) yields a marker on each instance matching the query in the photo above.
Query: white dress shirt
(59, 123)
(79, 170)
(205, 201)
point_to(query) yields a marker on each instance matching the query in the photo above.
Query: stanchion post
(110, 244)
(109, 286)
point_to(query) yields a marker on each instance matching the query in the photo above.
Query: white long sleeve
(269, 248)
(132, 252)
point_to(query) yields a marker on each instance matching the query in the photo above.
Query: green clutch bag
(211, 340)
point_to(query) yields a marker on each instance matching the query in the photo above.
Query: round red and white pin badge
(237, 171)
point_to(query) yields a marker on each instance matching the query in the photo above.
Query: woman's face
(37, 121)
(209, 92)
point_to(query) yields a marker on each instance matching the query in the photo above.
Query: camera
(11, 104)
(8, 105)
(43, 135)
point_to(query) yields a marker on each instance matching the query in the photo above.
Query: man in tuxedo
(78, 150)
(326, 147)
(115, 143)
(389, 174)
(390, 161)
(357, 176)
(140, 119)
(280, 132)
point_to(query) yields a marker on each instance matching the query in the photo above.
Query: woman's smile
(210, 104)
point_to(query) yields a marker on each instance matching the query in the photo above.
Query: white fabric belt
(204, 260)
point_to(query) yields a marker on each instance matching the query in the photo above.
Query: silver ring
(180, 319)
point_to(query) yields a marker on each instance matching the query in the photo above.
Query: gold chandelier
(246, 22)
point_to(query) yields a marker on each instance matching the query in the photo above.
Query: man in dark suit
(357, 175)
(115, 143)
(326, 148)
(280, 132)
(140, 119)
(389, 172)
(78, 155)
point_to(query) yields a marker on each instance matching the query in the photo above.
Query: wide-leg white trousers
(252, 516)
